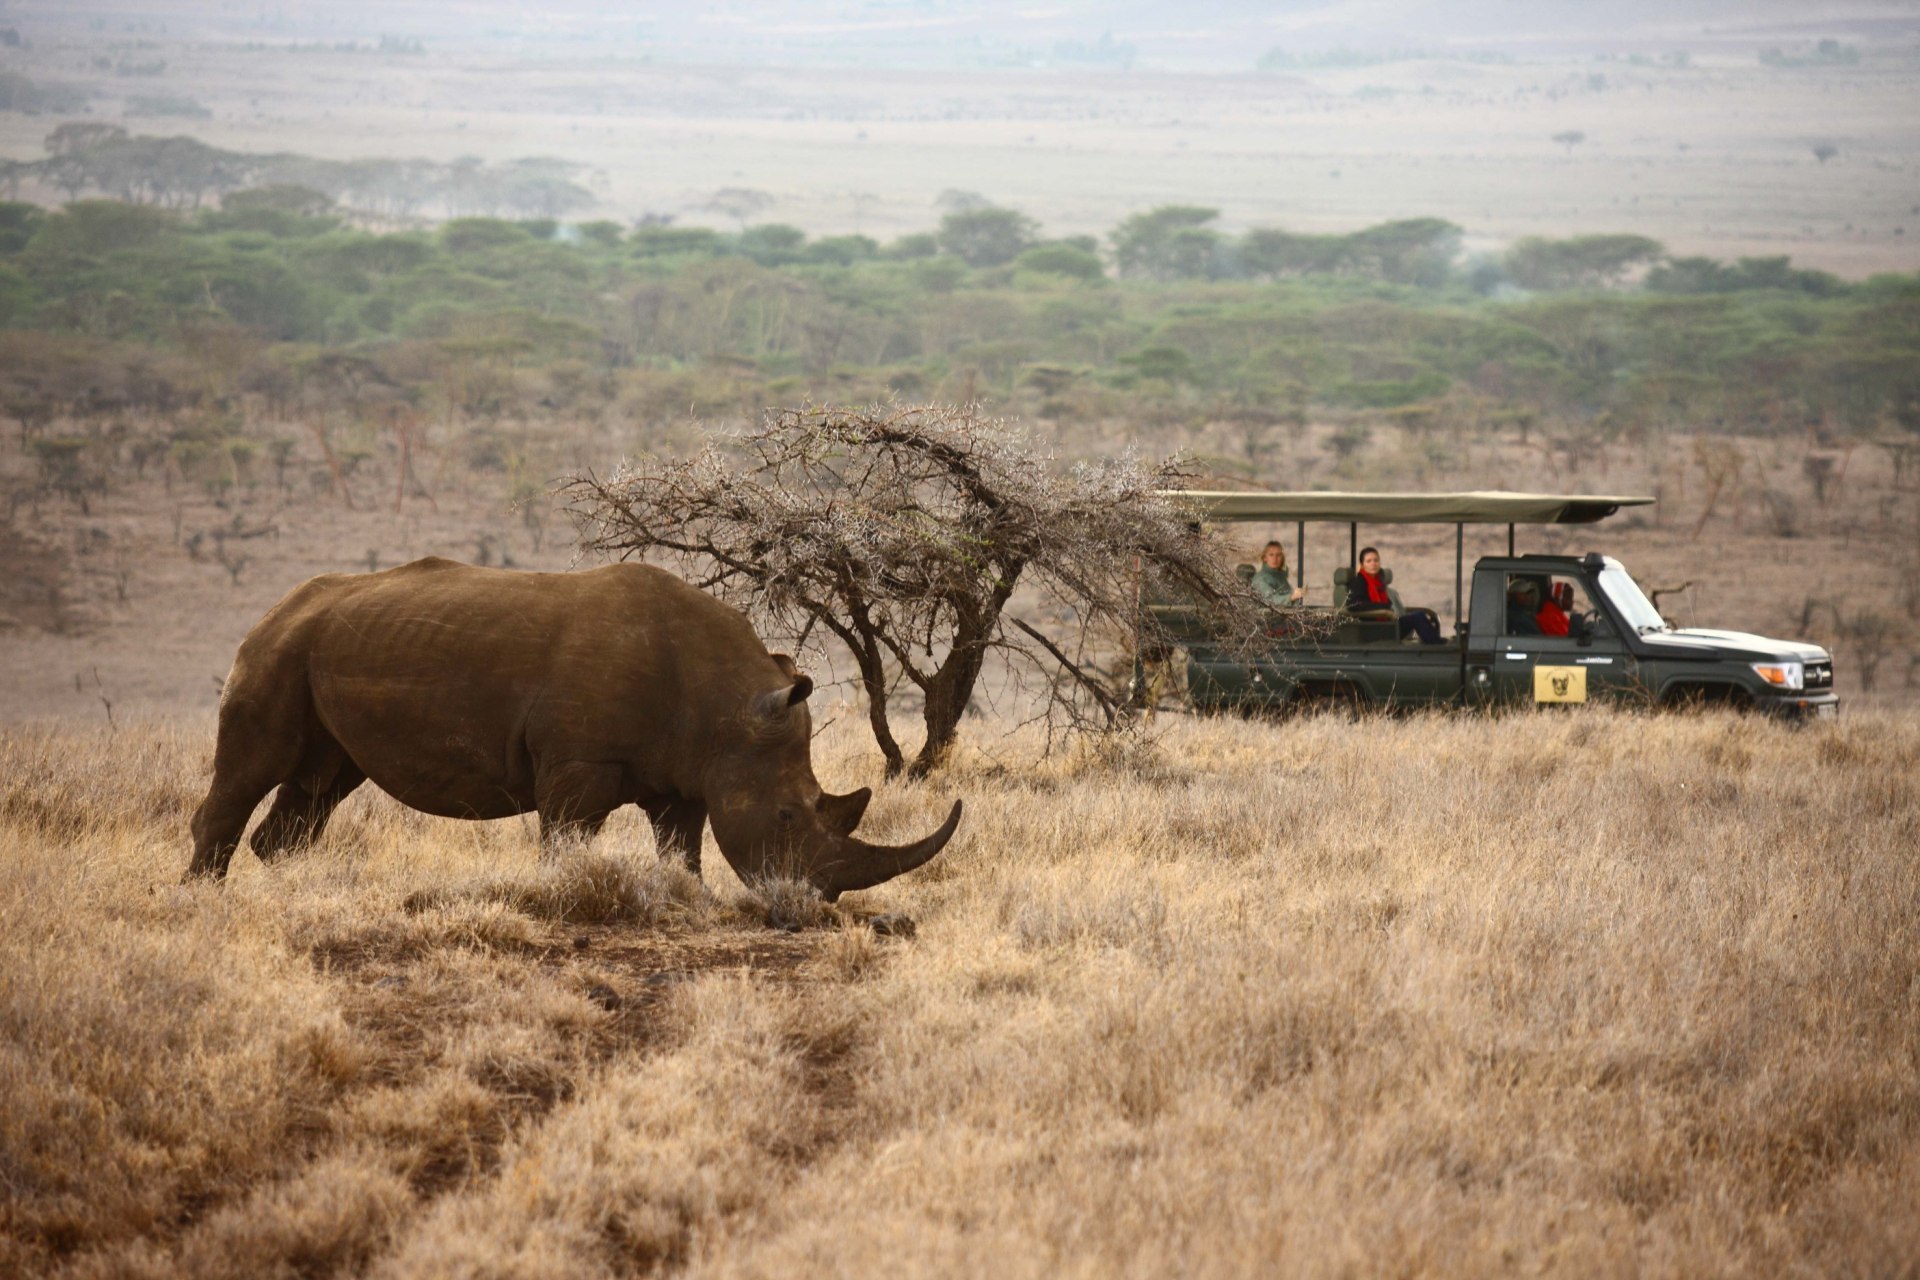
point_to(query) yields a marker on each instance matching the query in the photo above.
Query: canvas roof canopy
(1492, 507)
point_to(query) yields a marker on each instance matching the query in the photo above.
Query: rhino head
(770, 817)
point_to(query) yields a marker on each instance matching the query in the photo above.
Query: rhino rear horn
(864, 865)
(841, 814)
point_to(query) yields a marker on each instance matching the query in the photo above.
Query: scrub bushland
(1590, 993)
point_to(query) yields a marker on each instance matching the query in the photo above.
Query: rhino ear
(775, 703)
(802, 685)
(842, 814)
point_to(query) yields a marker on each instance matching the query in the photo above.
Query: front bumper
(1801, 706)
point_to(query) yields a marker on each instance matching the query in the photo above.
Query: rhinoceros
(482, 693)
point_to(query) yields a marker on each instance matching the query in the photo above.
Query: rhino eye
(785, 815)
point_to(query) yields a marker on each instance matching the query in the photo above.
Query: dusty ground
(121, 605)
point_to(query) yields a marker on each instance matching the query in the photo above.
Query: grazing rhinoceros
(481, 693)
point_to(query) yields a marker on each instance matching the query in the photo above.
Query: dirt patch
(407, 1020)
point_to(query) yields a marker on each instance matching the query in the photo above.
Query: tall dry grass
(1587, 993)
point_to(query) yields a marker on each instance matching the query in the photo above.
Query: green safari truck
(1544, 629)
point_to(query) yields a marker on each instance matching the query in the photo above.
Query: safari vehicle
(1616, 644)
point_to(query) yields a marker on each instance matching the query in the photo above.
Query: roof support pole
(1459, 570)
(1300, 557)
(1353, 547)
(1509, 539)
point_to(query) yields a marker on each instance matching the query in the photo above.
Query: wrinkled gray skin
(482, 693)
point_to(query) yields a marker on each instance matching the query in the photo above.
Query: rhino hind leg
(305, 802)
(258, 748)
(677, 825)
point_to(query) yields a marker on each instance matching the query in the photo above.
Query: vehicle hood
(1703, 642)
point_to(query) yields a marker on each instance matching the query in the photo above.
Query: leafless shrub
(1820, 470)
(233, 562)
(1867, 636)
(1783, 513)
(1723, 464)
(903, 533)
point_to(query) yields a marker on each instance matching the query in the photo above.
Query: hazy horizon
(1212, 36)
(1716, 128)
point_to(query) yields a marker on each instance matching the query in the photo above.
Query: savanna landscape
(1612, 991)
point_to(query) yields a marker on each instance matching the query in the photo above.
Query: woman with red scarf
(1366, 592)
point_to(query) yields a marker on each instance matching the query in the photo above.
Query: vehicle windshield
(1634, 607)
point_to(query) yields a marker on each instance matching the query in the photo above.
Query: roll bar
(1220, 506)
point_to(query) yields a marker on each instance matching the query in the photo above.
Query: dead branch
(1100, 695)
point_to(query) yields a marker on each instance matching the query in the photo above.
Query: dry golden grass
(1594, 993)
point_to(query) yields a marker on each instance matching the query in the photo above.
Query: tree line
(106, 302)
(89, 157)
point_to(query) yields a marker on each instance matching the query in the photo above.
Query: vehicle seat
(1244, 572)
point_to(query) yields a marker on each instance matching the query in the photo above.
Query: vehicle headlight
(1782, 675)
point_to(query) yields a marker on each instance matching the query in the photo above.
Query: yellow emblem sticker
(1559, 684)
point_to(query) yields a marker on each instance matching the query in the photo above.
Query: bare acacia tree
(904, 532)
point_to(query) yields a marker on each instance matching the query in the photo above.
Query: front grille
(1820, 675)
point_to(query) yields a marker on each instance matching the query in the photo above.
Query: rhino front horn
(865, 865)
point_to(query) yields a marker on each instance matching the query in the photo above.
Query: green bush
(1370, 320)
(1061, 259)
(472, 235)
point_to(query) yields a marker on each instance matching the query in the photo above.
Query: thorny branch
(904, 533)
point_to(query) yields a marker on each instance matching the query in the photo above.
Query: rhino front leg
(677, 825)
(575, 798)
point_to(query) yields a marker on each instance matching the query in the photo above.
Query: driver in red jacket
(1552, 618)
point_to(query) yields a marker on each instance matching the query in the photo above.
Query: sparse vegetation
(1587, 993)
(1669, 1030)
(488, 316)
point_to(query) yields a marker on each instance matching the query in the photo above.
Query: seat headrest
(1245, 572)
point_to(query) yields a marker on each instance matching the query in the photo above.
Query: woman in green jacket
(1271, 583)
